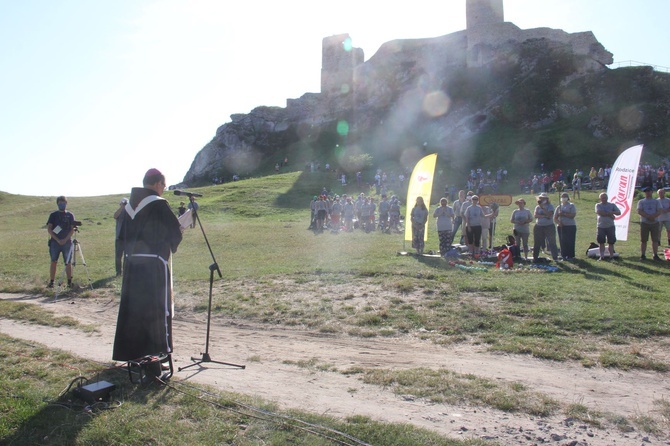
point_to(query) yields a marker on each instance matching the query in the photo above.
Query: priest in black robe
(150, 233)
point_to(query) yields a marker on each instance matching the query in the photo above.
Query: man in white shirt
(649, 209)
(664, 217)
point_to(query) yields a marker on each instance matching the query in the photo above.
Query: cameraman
(60, 226)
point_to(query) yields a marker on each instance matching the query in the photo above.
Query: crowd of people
(554, 230)
(591, 179)
(346, 213)
(478, 222)
(551, 222)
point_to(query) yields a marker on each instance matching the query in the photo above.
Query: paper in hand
(186, 219)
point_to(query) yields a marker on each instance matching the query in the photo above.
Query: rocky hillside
(533, 102)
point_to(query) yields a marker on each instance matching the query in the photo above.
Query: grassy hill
(611, 314)
(257, 229)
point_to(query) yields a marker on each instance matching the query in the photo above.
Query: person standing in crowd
(419, 217)
(60, 227)
(486, 225)
(664, 217)
(606, 231)
(445, 224)
(564, 217)
(320, 209)
(312, 210)
(348, 210)
(576, 185)
(151, 233)
(194, 207)
(373, 214)
(544, 230)
(358, 208)
(364, 218)
(118, 242)
(649, 209)
(521, 219)
(182, 208)
(534, 184)
(491, 215)
(458, 218)
(394, 214)
(335, 213)
(464, 232)
(384, 214)
(473, 225)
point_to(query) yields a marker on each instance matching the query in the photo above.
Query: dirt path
(264, 350)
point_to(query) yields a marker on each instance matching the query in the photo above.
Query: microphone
(188, 194)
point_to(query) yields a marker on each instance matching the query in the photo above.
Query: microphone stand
(213, 267)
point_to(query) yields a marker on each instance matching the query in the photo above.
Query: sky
(94, 93)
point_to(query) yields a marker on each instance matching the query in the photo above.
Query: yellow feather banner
(420, 185)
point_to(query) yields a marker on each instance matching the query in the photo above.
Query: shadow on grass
(594, 270)
(105, 282)
(310, 184)
(21, 297)
(646, 266)
(37, 414)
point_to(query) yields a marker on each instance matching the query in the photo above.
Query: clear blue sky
(93, 93)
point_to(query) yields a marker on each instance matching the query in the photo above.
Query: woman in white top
(473, 224)
(521, 219)
(445, 224)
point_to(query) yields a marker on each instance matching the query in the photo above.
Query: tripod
(213, 267)
(76, 247)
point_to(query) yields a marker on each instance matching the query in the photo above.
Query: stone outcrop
(435, 94)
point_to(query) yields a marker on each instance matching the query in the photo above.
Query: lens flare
(343, 128)
(244, 161)
(436, 103)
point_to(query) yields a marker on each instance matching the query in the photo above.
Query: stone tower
(483, 12)
(338, 60)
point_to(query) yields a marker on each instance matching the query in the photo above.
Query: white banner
(621, 187)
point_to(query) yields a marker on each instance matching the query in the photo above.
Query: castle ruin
(483, 12)
(478, 45)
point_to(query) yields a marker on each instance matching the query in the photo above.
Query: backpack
(505, 259)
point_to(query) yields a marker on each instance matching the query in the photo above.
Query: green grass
(444, 386)
(275, 271)
(32, 313)
(38, 406)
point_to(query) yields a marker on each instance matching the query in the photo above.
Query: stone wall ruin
(486, 34)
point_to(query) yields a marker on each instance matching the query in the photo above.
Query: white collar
(133, 212)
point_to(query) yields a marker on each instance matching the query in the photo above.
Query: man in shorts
(649, 209)
(60, 227)
(606, 231)
(664, 218)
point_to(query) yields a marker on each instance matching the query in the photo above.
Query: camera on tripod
(76, 223)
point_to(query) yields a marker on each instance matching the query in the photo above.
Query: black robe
(150, 233)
